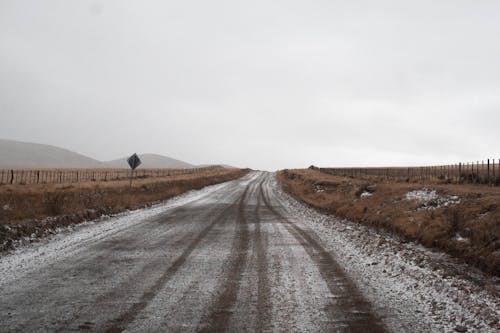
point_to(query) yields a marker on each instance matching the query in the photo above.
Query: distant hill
(25, 155)
(16, 154)
(221, 165)
(150, 161)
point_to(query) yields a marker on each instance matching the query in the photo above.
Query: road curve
(230, 260)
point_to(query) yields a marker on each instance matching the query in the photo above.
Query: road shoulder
(413, 288)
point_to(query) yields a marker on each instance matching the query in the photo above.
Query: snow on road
(242, 255)
(68, 241)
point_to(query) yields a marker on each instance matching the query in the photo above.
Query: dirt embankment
(462, 220)
(33, 211)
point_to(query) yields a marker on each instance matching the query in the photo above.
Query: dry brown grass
(65, 176)
(476, 217)
(24, 209)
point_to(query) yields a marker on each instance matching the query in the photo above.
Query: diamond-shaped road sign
(134, 161)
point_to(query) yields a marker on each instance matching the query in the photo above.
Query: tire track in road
(220, 311)
(350, 310)
(263, 286)
(117, 292)
(119, 324)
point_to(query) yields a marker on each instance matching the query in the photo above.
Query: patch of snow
(318, 189)
(423, 195)
(459, 238)
(365, 194)
(430, 199)
(6, 207)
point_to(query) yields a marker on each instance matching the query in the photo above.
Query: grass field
(462, 220)
(33, 210)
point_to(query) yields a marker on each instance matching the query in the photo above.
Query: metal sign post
(134, 161)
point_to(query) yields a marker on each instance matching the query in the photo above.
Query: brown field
(469, 229)
(37, 209)
(64, 176)
(486, 172)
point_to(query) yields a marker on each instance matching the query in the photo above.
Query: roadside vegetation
(462, 220)
(32, 211)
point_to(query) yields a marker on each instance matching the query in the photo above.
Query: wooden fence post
(494, 178)
(482, 168)
(489, 182)
(477, 172)
(459, 171)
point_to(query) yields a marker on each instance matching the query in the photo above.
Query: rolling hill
(16, 154)
(150, 161)
(26, 155)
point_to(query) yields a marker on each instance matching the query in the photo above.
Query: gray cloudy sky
(264, 84)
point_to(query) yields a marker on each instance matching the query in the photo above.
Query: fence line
(479, 172)
(60, 176)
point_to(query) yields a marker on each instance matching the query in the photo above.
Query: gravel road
(231, 257)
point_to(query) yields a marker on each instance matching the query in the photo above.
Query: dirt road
(238, 256)
(228, 259)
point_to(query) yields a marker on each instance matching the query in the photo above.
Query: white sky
(263, 84)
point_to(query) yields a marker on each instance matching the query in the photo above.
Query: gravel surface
(239, 256)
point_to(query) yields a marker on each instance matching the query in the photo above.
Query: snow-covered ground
(413, 288)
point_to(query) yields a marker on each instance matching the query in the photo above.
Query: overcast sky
(263, 84)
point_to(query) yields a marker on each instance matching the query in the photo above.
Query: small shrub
(54, 203)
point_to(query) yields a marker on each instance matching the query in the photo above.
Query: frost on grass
(430, 199)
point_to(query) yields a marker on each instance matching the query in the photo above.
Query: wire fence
(480, 172)
(61, 176)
